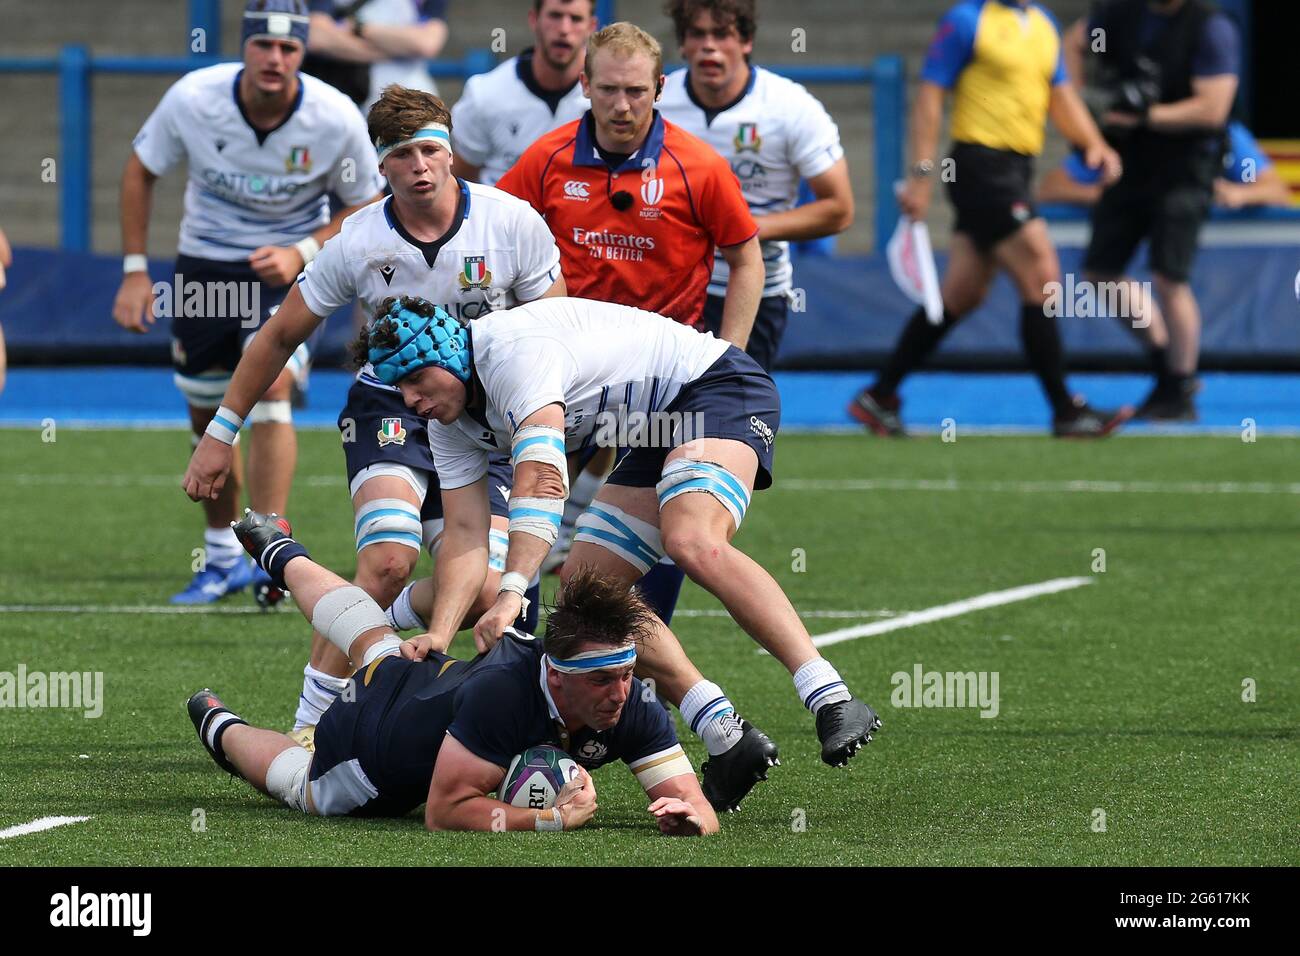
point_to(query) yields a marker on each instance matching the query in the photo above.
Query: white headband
(434, 131)
(599, 659)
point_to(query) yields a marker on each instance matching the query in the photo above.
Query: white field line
(722, 612)
(956, 608)
(789, 484)
(1048, 487)
(36, 826)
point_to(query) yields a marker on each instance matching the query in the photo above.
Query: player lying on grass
(441, 731)
(551, 377)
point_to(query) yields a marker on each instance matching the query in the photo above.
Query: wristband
(225, 426)
(135, 263)
(548, 821)
(307, 248)
(515, 583)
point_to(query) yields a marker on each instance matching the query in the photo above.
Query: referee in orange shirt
(637, 206)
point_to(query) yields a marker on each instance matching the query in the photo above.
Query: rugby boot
(212, 583)
(1084, 421)
(844, 728)
(730, 776)
(878, 414)
(202, 707)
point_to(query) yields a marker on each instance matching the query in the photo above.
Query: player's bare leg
(274, 455)
(223, 569)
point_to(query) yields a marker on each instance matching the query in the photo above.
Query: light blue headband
(434, 131)
(603, 658)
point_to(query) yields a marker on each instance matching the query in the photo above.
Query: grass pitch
(1125, 696)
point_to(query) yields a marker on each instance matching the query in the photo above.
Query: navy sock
(277, 556)
(660, 587)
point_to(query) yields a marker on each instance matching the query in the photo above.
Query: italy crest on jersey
(391, 432)
(747, 138)
(475, 274)
(299, 160)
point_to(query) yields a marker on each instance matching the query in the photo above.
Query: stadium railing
(75, 67)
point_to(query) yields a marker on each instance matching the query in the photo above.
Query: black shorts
(383, 431)
(769, 326)
(734, 399)
(366, 764)
(992, 192)
(1168, 215)
(209, 330)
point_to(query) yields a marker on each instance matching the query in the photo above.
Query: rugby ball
(535, 777)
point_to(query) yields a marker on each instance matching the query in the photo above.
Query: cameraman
(1170, 68)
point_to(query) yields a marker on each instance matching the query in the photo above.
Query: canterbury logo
(576, 189)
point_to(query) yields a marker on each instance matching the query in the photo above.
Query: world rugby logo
(652, 190)
(576, 189)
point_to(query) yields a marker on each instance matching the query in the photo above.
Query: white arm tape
(548, 821)
(135, 263)
(344, 614)
(225, 426)
(539, 517)
(307, 248)
(516, 583)
(655, 769)
(541, 443)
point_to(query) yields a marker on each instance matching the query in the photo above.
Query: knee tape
(635, 541)
(685, 474)
(344, 614)
(286, 778)
(388, 519)
(279, 413)
(498, 547)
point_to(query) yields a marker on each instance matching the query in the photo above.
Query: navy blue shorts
(734, 399)
(365, 764)
(208, 331)
(769, 326)
(385, 431)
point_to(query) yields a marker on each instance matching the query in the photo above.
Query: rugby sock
(214, 726)
(402, 616)
(918, 340)
(818, 683)
(276, 557)
(709, 714)
(581, 495)
(319, 690)
(221, 547)
(1042, 343)
(660, 586)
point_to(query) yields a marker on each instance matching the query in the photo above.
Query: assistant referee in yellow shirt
(1002, 61)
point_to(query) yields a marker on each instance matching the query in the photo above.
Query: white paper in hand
(911, 263)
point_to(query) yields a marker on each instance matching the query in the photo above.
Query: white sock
(402, 616)
(319, 690)
(581, 495)
(221, 547)
(215, 724)
(818, 683)
(709, 713)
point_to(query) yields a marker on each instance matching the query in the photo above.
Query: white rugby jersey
(592, 357)
(501, 113)
(410, 73)
(248, 189)
(497, 254)
(776, 133)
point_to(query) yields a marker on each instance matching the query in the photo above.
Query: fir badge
(391, 432)
(299, 160)
(747, 138)
(475, 274)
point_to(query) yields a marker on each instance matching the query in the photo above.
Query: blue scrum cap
(437, 340)
(275, 20)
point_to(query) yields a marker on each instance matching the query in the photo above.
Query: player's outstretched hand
(495, 620)
(133, 307)
(676, 817)
(208, 468)
(576, 800)
(276, 265)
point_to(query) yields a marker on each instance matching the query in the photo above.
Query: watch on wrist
(922, 168)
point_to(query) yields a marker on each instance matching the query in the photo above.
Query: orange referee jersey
(679, 199)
